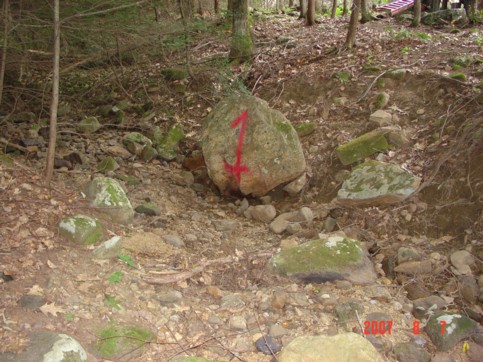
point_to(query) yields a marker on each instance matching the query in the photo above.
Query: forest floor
(309, 78)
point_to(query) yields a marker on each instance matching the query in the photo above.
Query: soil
(442, 117)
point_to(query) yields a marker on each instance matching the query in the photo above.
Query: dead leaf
(51, 309)
(36, 290)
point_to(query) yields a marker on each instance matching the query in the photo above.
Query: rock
(376, 183)
(263, 213)
(397, 74)
(279, 225)
(442, 357)
(414, 267)
(347, 312)
(232, 302)
(238, 323)
(330, 224)
(362, 147)
(382, 344)
(378, 292)
(382, 328)
(226, 225)
(268, 345)
(382, 118)
(453, 16)
(108, 249)
(468, 288)
(461, 61)
(462, 261)
(148, 153)
(455, 327)
(174, 240)
(148, 208)
(279, 300)
(50, 347)
(475, 353)
(293, 229)
(410, 352)
(118, 151)
(304, 129)
(338, 348)
(169, 297)
(277, 331)
(122, 342)
(108, 195)
(168, 146)
(397, 137)
(272, 157)
(405, 254)
(108, 164)
(31, 301)
(88, 125)
(416, 290)
(135, 142)
(323, 260)
(382, 100)
(294, 187)
(81, 229)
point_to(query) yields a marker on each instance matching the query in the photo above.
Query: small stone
(330, 224)
(232, 302)
(424, 307)
(108, 249)
(382, 328)
(279, 300)
(346, 311)
(148, 153)
(88, 125)
(263, 213)
(294, 228)
(343, 284)
(414, 267)
(475, 353)
(268, 345)
(410, 352)
(31, 301)
(294, 187)
(442, 357)
(148, 208)
(468, 288)
(238, 323)
(382, 100)
(169, 297)
(279, 224)
(378, 292)
(278, 331)
(174, 240)
(405, 254)
(462, 261)
(108, 164)
(226, 225)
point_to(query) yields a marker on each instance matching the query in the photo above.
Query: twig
(253, 89)
(360, 324)
(370, 86)
(13, 145)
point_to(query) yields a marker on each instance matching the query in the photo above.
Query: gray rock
(379, 292)
(226, 225)
(405, 254)
(135, 142)
(294, 187)
(108, 195)
(462, 261)
(272, 157)
(379, 328)
(277, 331)
(49, 347)
(414, 267)
(148, 208)
(232, 302)
(423, 307)
(174, 240)
(456, 328)
(148, 153)
(169, 297)
(375, 183)
(88, 125)
(341, 347)
(362, 147)
(347, 312)
(108, 164)
(267, 345)
(279, 225)
(330, 224)
(382, 344)
(294, 228)
(442, 357)
(81, 229)
(410, 352)
(323, 260)
(468, 288)
(263, 213)
(31, 301)
(108, 249)
(475, 353)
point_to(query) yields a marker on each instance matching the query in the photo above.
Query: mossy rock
(382, 100)
(362, 146)
(108, 164)
(136, 137)
(174, 73)
(167, 147)
(304, 129)
(456, 328)
(459, 76)
(81, 229)
(88, 125)
(461, 61)
(126, 342)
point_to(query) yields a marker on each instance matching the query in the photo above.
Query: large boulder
(249, 147)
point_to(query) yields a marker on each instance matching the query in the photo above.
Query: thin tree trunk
(351, 33)
(217, 7)
(49, 170)
(241, 41)
(334, 9)
(303, 9)
(4, 45)
(311, 12)
(365, 14)
(345, 8)
(200, 8)
(417, 13)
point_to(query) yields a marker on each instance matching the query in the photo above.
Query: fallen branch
(13, 145)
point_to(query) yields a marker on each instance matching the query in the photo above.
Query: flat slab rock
(249, 147)
(376, 183)
(322, 260)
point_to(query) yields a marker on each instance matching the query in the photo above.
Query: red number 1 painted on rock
(237, 168)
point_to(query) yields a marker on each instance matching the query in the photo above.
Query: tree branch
(99, 12)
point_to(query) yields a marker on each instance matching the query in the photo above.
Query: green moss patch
(361, 147)
(117, 341)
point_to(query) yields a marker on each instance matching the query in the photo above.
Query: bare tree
(351, 33)
(417, 13)
(311, 12)
(216, 5)
(334, 9)
(365, 13)
(303, 9)
(5, 16)
(54, 105)
(345, 8)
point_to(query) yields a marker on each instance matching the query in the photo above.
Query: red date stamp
(385, 327)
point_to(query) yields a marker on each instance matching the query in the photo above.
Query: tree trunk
(216, 5)
(345, 8)
(435, 6)
(334, 9)
(303, 9)
(54, 105)
(200, 8)
(241, 41)
(444, 6)
(351, 33)
(417, 13)
(311, 12)
(318, 6)
(365, 14)
(4, 45)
